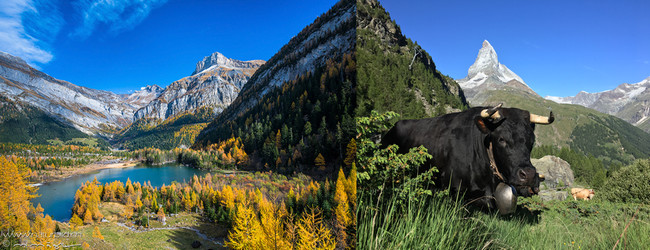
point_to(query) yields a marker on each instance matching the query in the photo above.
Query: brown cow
(582, 193)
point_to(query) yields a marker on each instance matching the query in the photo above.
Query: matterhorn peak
(488, 74)
(487, 65)
(486, 61)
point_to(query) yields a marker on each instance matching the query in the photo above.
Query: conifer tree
(14, 196)
(351, 152)
(97, 234)
(320, 162)
(246, 232)
(75, 222)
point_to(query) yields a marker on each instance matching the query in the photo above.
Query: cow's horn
(492, 112)
(542, 119)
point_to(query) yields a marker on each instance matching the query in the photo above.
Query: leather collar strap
(493, 164)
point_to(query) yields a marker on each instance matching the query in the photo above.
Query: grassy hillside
(22, 123)
(395, 73)
(585, 130)
(168, 134)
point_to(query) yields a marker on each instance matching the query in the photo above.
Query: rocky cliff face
(215, 83)
(487, 73)
(91, 111)
(143, 96)
(630, 102)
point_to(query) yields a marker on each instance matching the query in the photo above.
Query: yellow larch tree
(341, 199)
(351, 152)
(312, 234)
(97, 234)
(246, 232)
(271, 221)
(75, 222)
(320, 162)
(14, 196)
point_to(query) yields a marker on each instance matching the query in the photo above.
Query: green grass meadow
(445, 223)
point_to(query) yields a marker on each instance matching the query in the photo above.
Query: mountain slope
(23, 123)
(329, 36)
(177, 114)
(91, 111)
(487, 73)
(630, 102)
(395, 73)
(298, 105)
(582, 129)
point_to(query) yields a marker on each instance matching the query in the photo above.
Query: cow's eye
(502, 141)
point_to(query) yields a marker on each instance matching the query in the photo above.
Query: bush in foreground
(629, 184)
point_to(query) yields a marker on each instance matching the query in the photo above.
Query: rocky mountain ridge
(88, 110)
(630, 102)
(144, 96)
(215, 83)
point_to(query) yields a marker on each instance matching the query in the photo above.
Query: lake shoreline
(71, 172)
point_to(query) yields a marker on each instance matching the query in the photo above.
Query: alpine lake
(57, 198)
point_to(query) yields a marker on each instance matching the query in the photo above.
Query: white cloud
(117, 15)
(27, 27)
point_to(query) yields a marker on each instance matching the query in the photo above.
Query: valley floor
(179, 232)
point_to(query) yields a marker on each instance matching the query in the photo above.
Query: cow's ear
(480, 123)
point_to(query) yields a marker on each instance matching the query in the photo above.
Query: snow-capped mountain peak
(217, 60)
(630, 102)
(487, 73)
(487, 64)
(215, 83)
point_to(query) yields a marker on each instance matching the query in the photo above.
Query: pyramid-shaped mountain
(487, 73)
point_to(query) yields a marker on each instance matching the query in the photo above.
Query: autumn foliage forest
(299, 136)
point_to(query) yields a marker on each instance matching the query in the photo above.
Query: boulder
(557, 172)
(547, 195)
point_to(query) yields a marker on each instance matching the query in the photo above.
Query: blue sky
(557, 47)
(122, 45)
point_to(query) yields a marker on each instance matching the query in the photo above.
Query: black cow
(460, 145)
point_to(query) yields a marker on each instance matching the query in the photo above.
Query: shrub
(386, 171)
(629, 184)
